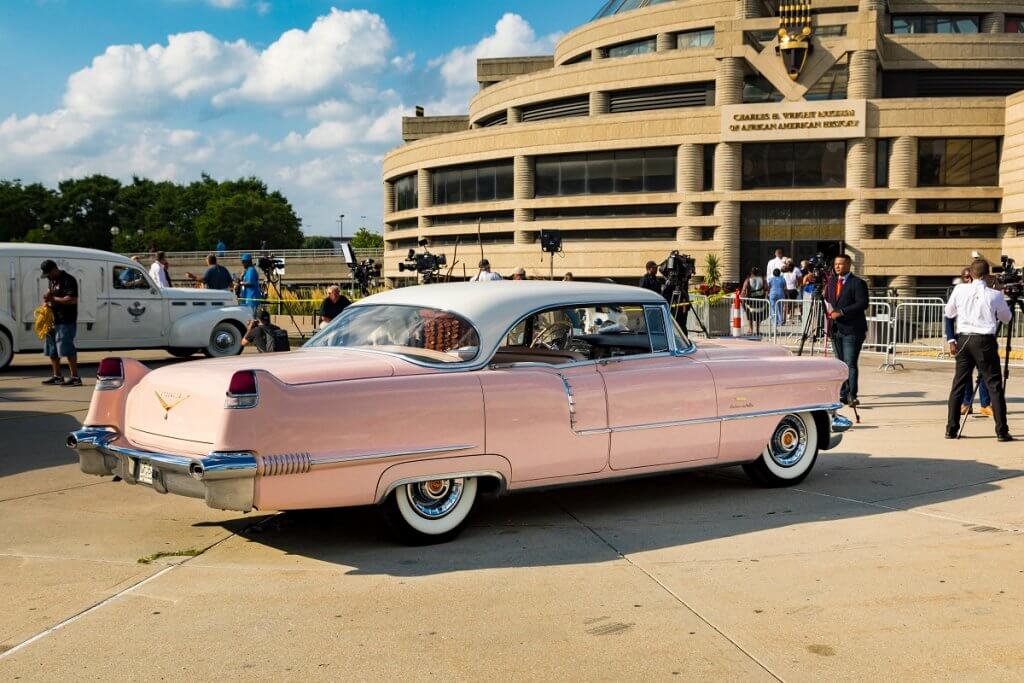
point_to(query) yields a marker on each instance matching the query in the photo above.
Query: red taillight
(243, 391)
(110, 374)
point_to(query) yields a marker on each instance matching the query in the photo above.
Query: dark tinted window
(957, 206)
(936, 23)
(954, 231)
(406, 193)
(958, 162)
(704, 37)
(479, 182)
(794, 164)
(759, 89)
(1015, 24)
(635, 47)
(709, 168)
(883, 149)
(650, 170)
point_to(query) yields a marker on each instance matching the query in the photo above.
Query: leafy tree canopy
(364, 239)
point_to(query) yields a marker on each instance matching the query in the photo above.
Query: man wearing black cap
(265, 336)
(62, 298)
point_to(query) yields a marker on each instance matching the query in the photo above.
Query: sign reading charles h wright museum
(831, 120)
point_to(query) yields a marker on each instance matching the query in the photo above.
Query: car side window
(655, 316)
(129, 277)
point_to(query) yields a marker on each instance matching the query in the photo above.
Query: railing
(236, 254)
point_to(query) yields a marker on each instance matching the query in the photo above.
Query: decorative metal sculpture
(794, 36)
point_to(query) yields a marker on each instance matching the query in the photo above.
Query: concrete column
(515, 115)
(596, 54)
(728, 160)
(729, 81)
(903, 176)
(523, 188)
(425, 188)
(860, 175)
(389, 198)
(748, 9)
(727, 235)
(993, 23)
(863, 75)
(666, 42)
(599, 103)
(876, 5)
(686, 211)
(903, 284)
(689, 179)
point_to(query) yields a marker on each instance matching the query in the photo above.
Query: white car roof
(57, 251)
(492, 307)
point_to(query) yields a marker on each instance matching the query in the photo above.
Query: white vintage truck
(119, 306)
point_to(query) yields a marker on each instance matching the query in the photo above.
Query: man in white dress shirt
(158, 271)
(485, 274)
(778, 262)
(978, 310)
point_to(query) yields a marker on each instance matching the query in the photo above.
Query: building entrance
(800, 229)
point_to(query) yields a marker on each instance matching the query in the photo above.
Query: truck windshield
(421, 334)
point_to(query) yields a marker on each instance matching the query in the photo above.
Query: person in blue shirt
(221, 248)
(249, 294)
(777, 294)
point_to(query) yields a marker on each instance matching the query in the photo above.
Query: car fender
(193, 330)
(8, 324)
(494, 466)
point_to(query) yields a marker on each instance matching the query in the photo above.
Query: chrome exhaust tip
(72, 442)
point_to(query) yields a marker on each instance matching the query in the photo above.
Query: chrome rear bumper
(226, 481)
(839, 425)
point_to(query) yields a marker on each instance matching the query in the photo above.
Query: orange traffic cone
(737, 317)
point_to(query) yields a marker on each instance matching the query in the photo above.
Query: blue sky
(303, 93)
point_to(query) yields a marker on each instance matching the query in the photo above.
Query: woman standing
(753, 292)
(776, 294)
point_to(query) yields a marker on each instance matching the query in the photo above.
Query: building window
(830, 31)
(637, 234)
(472, 218)
(883, 152)
(406, 193)
(924, 232)
(936, 23)
(758, 89)
(578, 59)
(477, 183)
(957, 206)
(704, 37)
(662, 97)
(1015, 24)
(499, 119)
(590, 212)
(794, 164)
(952, 83)
(634, 47)
(557, 109)
(405, 225)
(958, 162)
(708, 183)
(831, 86)
(618, 6)
(474, 238)
(646, 170)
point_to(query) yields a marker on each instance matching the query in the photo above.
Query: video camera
(678, 269)
(1010, 279)
(821, 269)
(365, 271)
(427, 265)
(270, 265)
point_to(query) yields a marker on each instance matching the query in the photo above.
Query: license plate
(145, 473)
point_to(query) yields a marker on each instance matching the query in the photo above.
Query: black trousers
(981, 352)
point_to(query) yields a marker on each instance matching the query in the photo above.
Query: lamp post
(341, 226)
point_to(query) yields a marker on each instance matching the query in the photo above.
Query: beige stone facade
(913, 89)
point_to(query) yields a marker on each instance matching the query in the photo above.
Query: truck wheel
(429, 512)
(790, 455)
(225, 340)
(6, 349)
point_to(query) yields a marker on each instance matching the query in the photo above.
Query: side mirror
(152, 291)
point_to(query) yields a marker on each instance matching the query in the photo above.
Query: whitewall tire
(6, 349)
(430, 512)
(790, 454)
(225, 340)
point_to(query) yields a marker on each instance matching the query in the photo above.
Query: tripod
(680, 300)
(814, 321)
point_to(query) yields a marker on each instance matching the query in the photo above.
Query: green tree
(317, 242)
(364, 239)
(245, 216)
(24, 209)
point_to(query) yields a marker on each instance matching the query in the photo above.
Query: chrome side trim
(282, 464)
(476, 474)
(572, 401)
(726, 418)
(342, 460)
(841, 424)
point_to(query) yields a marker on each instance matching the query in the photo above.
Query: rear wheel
(790, 453)
(6, 349)
(225, 340)
(429, 512)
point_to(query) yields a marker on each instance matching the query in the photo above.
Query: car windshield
(422, 334)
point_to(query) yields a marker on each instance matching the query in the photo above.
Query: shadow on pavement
(596, 523)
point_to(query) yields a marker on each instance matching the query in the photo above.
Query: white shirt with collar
(159, 275)
(486, 276)
(772, 265)
(977, 308)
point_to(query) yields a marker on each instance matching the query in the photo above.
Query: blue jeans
(776, 308)
(847, 349)
(61, 341)
(986, 400)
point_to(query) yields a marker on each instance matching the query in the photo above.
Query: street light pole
(341, 226)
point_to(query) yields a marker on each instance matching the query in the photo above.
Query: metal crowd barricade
(918, 332)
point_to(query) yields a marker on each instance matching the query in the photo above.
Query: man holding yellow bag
(62, 299)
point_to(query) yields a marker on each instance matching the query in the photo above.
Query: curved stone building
(891, 130)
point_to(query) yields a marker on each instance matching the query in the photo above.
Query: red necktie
(839, 288)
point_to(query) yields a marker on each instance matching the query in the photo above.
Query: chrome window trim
(728, 418)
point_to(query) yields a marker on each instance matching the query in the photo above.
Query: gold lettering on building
(794, 120)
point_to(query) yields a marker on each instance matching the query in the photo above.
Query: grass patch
(150, 559)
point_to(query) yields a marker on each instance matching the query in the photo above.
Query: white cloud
(340, 47)
(132, 79)
(226, 4)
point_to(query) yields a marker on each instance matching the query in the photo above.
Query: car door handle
(114, 303)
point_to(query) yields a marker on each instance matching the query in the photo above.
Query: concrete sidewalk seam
(30, 415)
(672, 593)
(43, 493)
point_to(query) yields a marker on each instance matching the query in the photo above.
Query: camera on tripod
(1010, 279)
(819, 267)
(364, 272)
(427, 265)
(270, 265)
(678, 269)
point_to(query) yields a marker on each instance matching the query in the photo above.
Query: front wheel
(225, 340)
(6, 349)
(429, 512)
(789, 455)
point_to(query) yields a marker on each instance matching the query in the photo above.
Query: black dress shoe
(950, 435)
(1004, 438)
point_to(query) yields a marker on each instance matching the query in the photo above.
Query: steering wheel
(554, 336)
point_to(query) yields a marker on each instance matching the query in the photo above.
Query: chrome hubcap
(223, 340)
(789, 442)
(434, 499)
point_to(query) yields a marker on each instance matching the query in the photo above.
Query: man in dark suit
(847, 298)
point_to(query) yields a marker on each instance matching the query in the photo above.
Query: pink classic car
(422, 399)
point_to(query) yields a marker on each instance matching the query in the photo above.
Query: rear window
(421, 334)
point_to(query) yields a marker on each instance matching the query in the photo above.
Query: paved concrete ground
(901, 557)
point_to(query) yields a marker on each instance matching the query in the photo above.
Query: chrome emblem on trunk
(170, 400)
